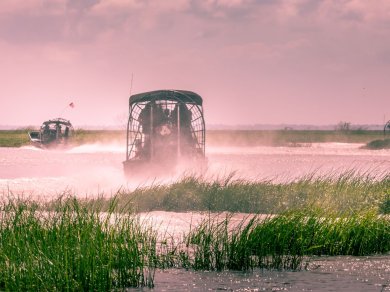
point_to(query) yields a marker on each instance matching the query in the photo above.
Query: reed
(286, 241)
(72, 248)
(348, 192)
(71, 244)
(384, 207)
(378, 144)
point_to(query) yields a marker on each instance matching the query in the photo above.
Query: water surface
(90, 170)
(97, 168)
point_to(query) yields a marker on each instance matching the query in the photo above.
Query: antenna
(131, 84)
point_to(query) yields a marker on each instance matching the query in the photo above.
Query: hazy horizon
(253, 62)
(375, 127)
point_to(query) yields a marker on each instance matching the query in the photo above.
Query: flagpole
(69, 105)
(131, 84)
(62, 111)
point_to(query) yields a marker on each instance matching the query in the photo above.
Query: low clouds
(71, 20)
(224, 48)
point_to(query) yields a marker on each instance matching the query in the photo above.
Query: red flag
(71, 105)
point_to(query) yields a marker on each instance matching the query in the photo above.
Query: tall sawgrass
(378, 144)
(285, 241)
(384, 207)
(73, 245)
(347, 192)
(72, 248)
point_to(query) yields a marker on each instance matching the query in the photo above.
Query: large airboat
(165, 127)
(52, 133)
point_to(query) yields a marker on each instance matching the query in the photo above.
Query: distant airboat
(164, 127)
(52, 133)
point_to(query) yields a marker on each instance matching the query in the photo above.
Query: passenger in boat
(58, 131)
(46, 129)
(66, 133)
(168, 139)
(150, 118)
(162, 137)
(46, 133)
(158, 117)
(167, 115)
(146, 123)
(145, 118)
(181, 118)
(139, 150)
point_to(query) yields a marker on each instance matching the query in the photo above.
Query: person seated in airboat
(52, 133)
(164, 127)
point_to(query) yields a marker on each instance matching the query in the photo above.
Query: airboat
(52, 133)
(165, 128)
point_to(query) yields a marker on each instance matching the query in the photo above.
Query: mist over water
(88, 169)
(99, 147)
(93, 169)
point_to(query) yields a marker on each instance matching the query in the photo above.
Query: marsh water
(96, 169)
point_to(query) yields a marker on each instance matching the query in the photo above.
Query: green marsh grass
(384, 207)
(73, 248)
(287, 137)
(347, 192)
(285, 241)
(74, 244)
(378, 144)
(18, 138)
(14, 138)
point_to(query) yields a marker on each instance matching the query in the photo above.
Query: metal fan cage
(165, 139)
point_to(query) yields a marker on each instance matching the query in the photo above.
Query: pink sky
(264, 61)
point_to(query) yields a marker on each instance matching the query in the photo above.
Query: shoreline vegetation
(236, 138)
(102, 244)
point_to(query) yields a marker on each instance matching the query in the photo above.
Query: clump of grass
(285, 241)
(72, 248)
(378, 144)
(347, 192)
(384, 207)
(72, 245)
